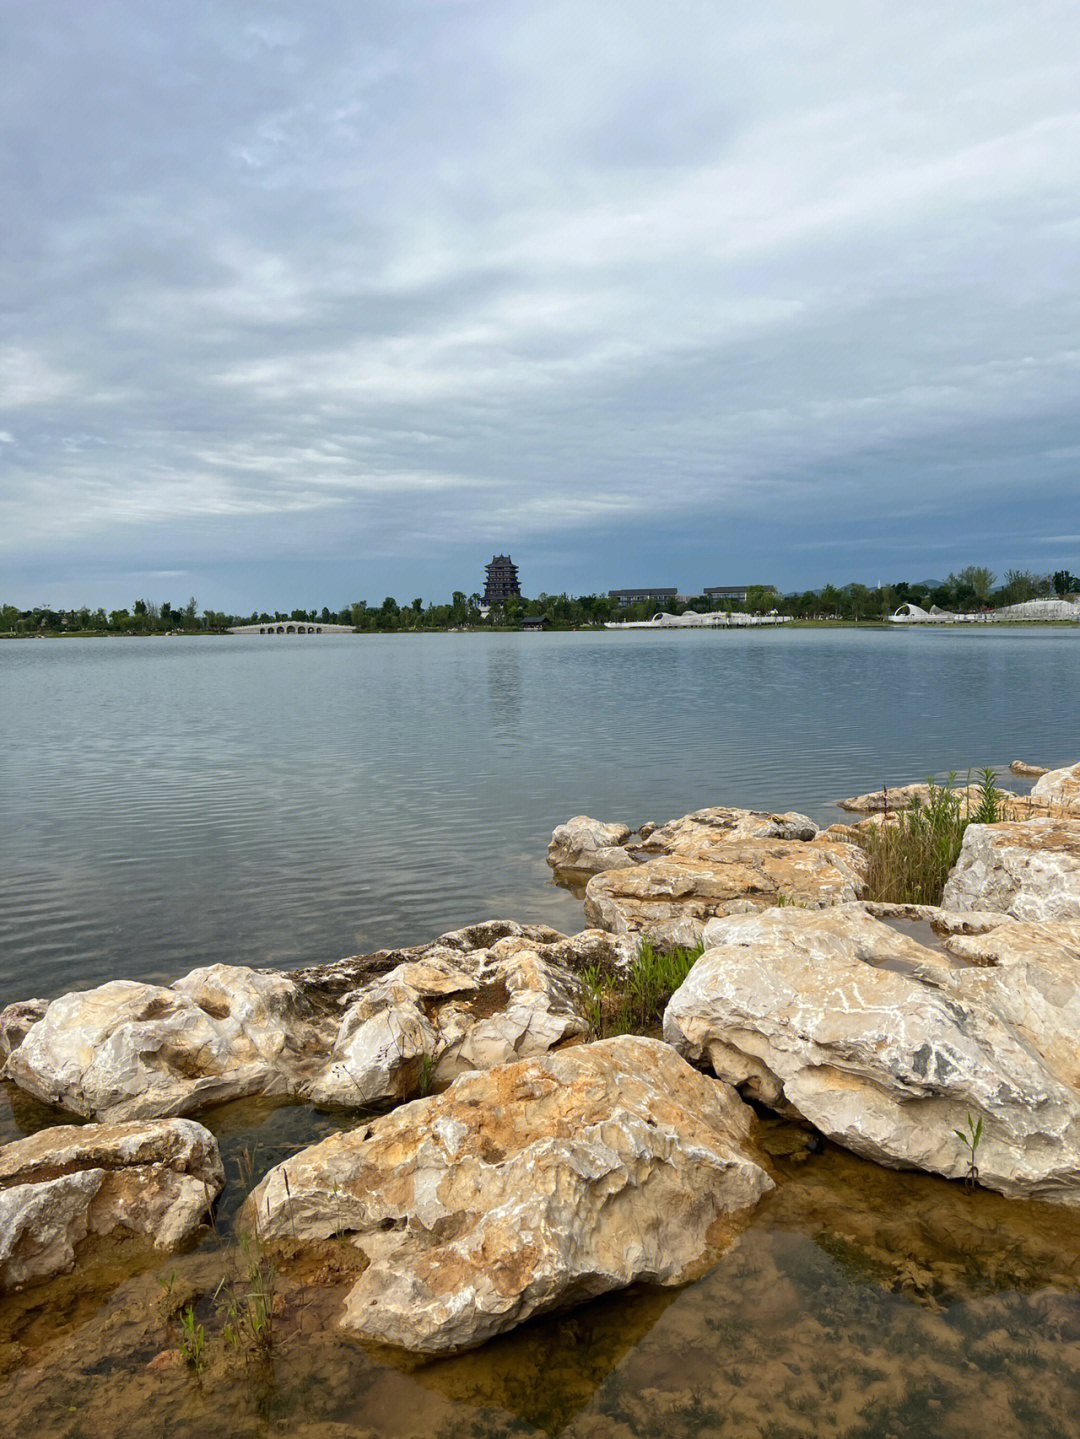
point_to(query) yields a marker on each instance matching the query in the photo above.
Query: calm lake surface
(282, 801)
(167, 803)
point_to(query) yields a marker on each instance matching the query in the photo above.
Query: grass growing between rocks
(911, 855)
(634, 1003)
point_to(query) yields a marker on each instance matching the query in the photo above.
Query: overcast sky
(303, 304)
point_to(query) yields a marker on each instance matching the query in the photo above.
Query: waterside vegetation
(972, 589)
(634, 1002)
(912, 851)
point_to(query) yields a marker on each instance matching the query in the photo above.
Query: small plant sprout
(192, 1340)
(969, 1138)
(167, 1284)
(992, 801)
(426, 1078)
(339, 1229)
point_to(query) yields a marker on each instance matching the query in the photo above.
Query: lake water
(282, 801)
(167, 803)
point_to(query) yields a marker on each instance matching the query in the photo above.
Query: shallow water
(859, 1304)
(166, 803)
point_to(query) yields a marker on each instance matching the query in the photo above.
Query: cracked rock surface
(525, 1188)
(887, 1047)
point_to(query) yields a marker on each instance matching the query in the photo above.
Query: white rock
(524, 1188)
(63, 1185)
(586, 845)
(139, 1051)
(1030, 973)
(881, 1045)
(453, 1011)
(343, 1034)
(1029, 870)
(1059, 787)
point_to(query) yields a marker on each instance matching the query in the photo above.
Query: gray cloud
(288, 283)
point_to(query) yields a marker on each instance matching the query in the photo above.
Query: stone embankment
(534, 1166)
(665, 881)
(371, 1030)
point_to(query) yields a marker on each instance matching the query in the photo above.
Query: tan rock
(62, 1185)
(522, 1189)
(885, 1047)
(1028, 771)
(894, 800)
(889, 797)
(731, 874)
(698, 834)
(1029, 870)
(370, 1029)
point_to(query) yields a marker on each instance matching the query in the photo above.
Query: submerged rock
(1029, 870)
(62, 1185)
(522, 1189)
(362, 1031)
(888, 1047)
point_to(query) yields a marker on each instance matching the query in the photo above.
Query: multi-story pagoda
(502, 580)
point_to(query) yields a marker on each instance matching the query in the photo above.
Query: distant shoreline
(795, 624)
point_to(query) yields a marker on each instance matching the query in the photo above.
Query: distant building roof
(629, 597)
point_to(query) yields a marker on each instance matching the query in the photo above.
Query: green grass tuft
(911, 855)
(635, 1003)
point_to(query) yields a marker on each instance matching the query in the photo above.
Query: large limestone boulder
(885, 1046)
(587, 846)
(1029, 870)
(729, 873)
(367, 1030)
(1059, 787)
(127, 1050)
(1030, 973)
(63, 1185)
(522, 1189)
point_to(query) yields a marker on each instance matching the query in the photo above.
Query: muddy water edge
(860, 1302)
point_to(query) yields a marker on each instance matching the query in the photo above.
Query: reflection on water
(166, 803)
(859, 1304)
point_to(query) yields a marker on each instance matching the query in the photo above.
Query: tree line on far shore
(974, 588)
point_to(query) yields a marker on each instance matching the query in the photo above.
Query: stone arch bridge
(290, 627)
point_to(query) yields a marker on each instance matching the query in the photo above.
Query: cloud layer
(306, 304)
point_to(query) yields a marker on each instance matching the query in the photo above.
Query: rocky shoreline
(504, 1161)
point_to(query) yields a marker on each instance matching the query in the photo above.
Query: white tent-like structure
(1029, 612)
